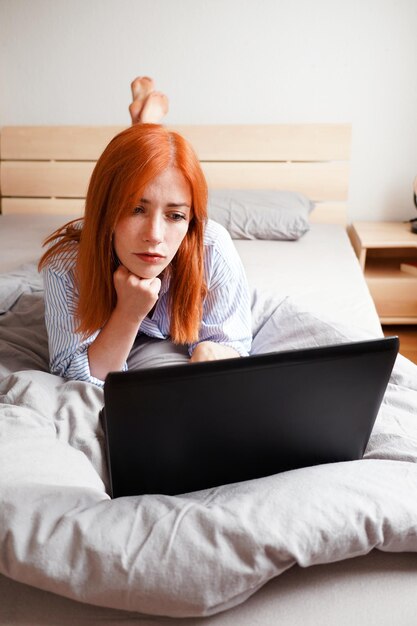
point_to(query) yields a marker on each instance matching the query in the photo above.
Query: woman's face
(147, 238)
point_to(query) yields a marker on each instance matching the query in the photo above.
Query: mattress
(374, 590)
(320, 270)
(315, 284)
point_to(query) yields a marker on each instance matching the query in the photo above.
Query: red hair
(129, 163)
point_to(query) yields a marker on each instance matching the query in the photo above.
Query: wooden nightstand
(381, 247)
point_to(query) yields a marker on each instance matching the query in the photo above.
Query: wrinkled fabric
(199, 553)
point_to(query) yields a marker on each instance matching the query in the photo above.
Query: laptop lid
(183, 428)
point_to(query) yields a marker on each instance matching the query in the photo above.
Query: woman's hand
(212, 351)
(135, 296)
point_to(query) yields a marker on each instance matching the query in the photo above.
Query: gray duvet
(188, 555)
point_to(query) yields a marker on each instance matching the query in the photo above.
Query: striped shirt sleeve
(68, 350)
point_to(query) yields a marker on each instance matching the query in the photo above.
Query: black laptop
(183, 428)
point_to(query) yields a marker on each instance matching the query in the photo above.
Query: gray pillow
(260, 214)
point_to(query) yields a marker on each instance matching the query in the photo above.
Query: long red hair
(132, 159)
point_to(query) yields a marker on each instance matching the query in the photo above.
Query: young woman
(144, 278)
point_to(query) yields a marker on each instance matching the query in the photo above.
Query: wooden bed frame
(46, 169)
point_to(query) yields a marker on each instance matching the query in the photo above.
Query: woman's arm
(135, 298)
(212, 351)
(69, 352)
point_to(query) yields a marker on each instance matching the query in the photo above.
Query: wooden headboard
(46, 169)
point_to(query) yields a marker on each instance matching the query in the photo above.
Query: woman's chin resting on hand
(212, 351)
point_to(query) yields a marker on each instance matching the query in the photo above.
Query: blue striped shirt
(226, 308)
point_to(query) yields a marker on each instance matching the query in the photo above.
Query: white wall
(229, 61)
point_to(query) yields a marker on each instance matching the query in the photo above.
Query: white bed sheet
(319, 271)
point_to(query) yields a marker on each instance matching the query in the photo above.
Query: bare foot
(155, 108)
(141, 87)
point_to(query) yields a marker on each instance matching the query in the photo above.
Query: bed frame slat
(277, 142)
(319, 181)
(46, 178)
(44, 206)
(60, 143)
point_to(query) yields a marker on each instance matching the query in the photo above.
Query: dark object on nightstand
(414, 221)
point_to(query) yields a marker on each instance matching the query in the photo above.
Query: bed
(331, 544)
